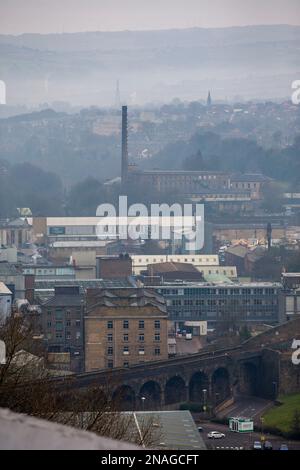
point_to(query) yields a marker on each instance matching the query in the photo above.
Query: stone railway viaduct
(262, 366)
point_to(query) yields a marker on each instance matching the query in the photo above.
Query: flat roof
(173, 430)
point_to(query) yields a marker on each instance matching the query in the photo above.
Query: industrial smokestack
(124, 171)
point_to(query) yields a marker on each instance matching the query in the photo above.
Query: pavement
(238, 440)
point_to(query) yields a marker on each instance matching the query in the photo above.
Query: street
(238, 440)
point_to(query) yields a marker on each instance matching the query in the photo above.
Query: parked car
(268, 445)
(284, 447)
(257, 445)
(215, 435)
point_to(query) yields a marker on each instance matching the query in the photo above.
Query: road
(248, 407)
(244, 441)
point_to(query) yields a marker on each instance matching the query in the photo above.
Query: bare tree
(27, 386)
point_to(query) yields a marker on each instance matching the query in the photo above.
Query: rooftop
(23, 432)
(4, 290)
(8, 269)
(175, 430)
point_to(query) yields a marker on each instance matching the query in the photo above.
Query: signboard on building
(57, 230)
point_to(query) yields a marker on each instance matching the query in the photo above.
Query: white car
(215, 435)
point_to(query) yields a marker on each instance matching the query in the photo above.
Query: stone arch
(248, 383)
(175, 390)
(124, 398)
(198, 382)
(150, 395)
(220, 385)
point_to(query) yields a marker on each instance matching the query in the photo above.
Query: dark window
(157, 337)
(125, 338)
(141, 337)
(141, 324)
(109, 337)
(125, 324)
(157, 324)
(110, 364)
(110, 324)
(110, 351)
(157, 351)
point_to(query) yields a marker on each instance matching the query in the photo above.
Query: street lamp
(275, 387)
(204, 398)
(262, 420)
(143, 403)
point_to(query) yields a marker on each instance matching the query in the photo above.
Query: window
(68, 323)
(126, 350)
(110, 324)
(58, 335)
(125, 338)
(78, 323)
(109, 337)
(49, 324)
(58, 313)
(157, 324)
(141, 324)
(68, 335)
(59, 325)
(126, 364)
(141, 350)
(110, 351)
(157, 337)
(141, 337)
(78, 335)
(110, 364)
(125, 324)
(157, 351)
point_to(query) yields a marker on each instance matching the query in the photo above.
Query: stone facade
(124, 327)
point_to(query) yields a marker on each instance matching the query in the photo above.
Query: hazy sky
(43, 16)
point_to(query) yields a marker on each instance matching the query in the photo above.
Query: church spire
(209, 101)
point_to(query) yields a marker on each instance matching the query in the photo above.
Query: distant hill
(191, 37)
(82, 68)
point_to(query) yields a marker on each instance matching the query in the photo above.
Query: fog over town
(150, 227)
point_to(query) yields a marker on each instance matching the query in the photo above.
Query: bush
(192, 407)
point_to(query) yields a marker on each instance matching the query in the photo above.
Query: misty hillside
(82, 68)
(154, 39)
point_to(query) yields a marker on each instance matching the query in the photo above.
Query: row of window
(178, 260)
(141, 338)
(59, 324)
(221, 302)
(192, 292)
(126, 350)
(60, 335)
(110, 324)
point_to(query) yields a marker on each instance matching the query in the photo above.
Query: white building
(5, 302)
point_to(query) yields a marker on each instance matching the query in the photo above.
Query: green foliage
(285, 419)
(245, 333)
(25, 185)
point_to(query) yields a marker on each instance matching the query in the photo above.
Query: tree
(194, 162)
(295, 428)
(245, 333)
(27, 386)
